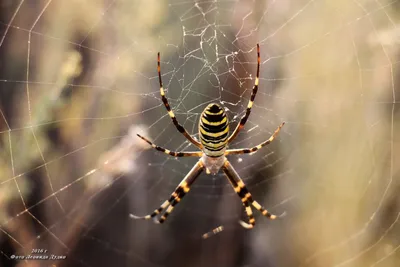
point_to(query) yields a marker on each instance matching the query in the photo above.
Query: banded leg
(243, 194)
(248, 225)
(234, 177)
(176, 196)
(245, 201)
(164, 99)
(170, 208)
(243, 120)
(172, 153)
(256, 148)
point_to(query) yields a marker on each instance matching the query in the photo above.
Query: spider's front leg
(184, 187)
(242, 191)
(247, 200)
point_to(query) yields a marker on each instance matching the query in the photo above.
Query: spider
(214, 139)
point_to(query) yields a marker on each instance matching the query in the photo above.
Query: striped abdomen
(214, 130)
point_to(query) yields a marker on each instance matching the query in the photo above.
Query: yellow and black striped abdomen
(214, 130)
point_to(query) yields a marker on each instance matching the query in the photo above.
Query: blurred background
(78, 80)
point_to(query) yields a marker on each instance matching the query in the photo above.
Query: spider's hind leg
(171, 114)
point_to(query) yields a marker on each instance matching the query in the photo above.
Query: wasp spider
(214, 139)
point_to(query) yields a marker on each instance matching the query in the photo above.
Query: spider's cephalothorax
(214, 130)
(214, 139)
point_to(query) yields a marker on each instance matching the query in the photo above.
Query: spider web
(79, 80)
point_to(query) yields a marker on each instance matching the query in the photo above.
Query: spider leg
(247, 225)
(247, 200)
(244, 196)
(243, 192)
(164, 99)
(256, 148)
(180, 191)
(172, 153)
(243, 120)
